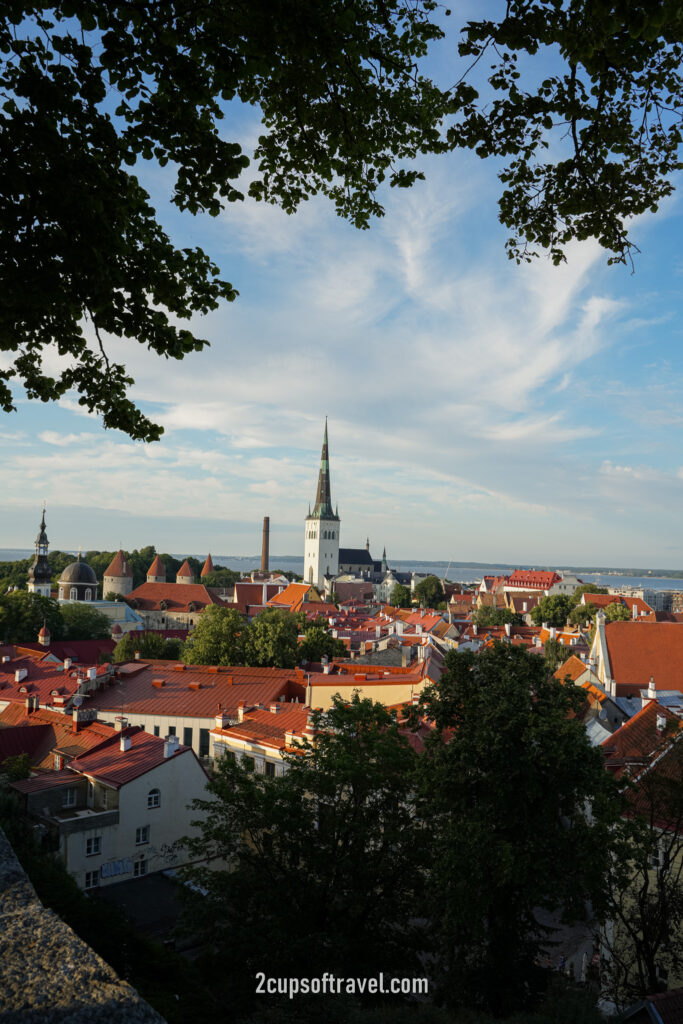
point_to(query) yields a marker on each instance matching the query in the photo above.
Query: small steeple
(39, 575)
(367, 544)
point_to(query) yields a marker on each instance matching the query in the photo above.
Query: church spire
(323, 499)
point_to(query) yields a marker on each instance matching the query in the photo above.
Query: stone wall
(47, 974)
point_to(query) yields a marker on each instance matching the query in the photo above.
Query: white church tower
(321, 550)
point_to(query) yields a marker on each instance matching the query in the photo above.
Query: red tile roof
(573, 667)
(116, 767)
(292, 597)
(178, 597)
(118, 566)
(157, 568)
(266, 728)
(41, 679)
(638, 650)
(212, 689)
(85, 652)
(208, 566)
(185, 571)
(47, 731)
(638, 740)
(533, 579)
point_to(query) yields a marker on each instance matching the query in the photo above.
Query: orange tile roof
(118, 566)
(638, 650)
(116, 767)
(573, 667)
(185, 571)
(292, 597)
(208, 566)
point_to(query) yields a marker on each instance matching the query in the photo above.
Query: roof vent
(20, 674)
(194, 686)
(158, 683)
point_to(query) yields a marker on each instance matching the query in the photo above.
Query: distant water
(459, 574)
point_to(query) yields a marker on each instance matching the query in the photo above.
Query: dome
(78, 572)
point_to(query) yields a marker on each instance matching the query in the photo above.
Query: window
(73, 594)
(93, 846)
(248, 763)
(91, 879)
(187, 736)
(69, 797)
(171, 730)
(204, 745)
(142, 835)
(88, 594)
(154, 798)
(156, 730)
(270, 769)
(139, 868)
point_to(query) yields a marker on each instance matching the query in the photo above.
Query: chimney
(67, 664)
(378, 631)
(5, 659)
(120, 723)
(651, 689)
(661, 724)
(137, 655)
(274, 709)
(266, 544)
(240, 711)
(553, 633)
(544, 626)
(171, 744)
(475, 629)
(124, 744)
(525, 606)
(20, 674)
(634, 611)
(264, 594)
(508, 629)
(92, 672)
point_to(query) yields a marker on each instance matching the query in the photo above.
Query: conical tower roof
(185, 570)
(208, 566)
(119, 566)
(157, 568)
(323, 499)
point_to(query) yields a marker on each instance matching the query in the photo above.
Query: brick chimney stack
(266, 544)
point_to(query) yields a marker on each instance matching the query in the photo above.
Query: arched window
(154, 798)
(88, 594)
(73, 594)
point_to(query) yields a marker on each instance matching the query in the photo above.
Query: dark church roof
(78, 572)
(356, 556)
(323, 499)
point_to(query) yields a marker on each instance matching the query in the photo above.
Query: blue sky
(477, 409)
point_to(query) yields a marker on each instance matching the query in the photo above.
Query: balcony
(83, 819)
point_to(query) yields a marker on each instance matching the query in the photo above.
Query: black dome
(78, 572)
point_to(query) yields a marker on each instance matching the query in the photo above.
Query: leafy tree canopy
(81, 622)
(91, 90)
(553, 609)
(429, 592)
(149, 645)
(22, 615)
(334, 837)
(317, 642)
(400, 596)
(583, 101)
(217, 639)
(487, 616)
(504, 780)
(586, 588)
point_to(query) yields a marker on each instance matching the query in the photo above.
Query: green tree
(93, 90)
(317, 642)
(334, 837)
(504, 780)
(81, 622)
(581, 613)
(400, 596)
(221, 577)
(617, 612)
(554, 610)
(148, 645)
(429, 592)
(590, 138)
(22, 616)
(217, 639)
(554, 654)
(644, 937)
(16, 767)
(272, 640)
(487, 616)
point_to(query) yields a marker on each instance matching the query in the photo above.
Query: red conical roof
(157, 568)
(44, 631)
(116, 629)
(208, 566)
(185, 570)
(118, 566)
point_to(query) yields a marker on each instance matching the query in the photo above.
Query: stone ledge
(47, 974)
